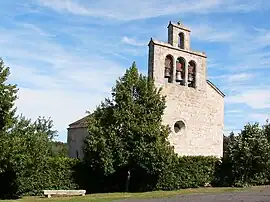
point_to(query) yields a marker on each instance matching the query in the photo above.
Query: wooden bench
(49, 193)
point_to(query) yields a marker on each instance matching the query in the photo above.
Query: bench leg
(49, 196)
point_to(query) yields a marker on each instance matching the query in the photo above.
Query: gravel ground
(258, 195)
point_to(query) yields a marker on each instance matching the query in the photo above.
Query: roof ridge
(215, 88)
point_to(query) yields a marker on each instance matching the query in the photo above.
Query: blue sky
(65, 55)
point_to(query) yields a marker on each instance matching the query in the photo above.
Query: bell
(178, 76)
(178, 66)
(190, 77)
(167, 73)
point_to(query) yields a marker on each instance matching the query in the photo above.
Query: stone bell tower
(195, 106)
(176, 32)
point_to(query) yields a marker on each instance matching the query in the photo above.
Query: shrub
(57, 173)
(52, 173)
(247, 159)
(188, 172)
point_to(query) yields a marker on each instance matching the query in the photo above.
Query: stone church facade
(195, 106)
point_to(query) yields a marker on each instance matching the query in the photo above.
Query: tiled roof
(81, 123)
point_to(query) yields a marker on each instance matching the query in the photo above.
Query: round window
(179, 126)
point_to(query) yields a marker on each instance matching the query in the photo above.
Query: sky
(65, 55)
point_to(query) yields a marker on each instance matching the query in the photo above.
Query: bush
(57, 173)
(188, 172)
(247, 159)
(53, 173)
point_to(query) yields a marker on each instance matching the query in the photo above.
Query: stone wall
(158, 52)
(200, 110)
(173, 35)
(202, 114)
(75, 141)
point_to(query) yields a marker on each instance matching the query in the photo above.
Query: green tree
(44, 125)
(23, 151)
(7, 99)
(266, 129)
(29, 160)
(248, 156)
(59, 149)
(126, 134)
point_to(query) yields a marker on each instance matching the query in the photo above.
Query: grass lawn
(115, 196)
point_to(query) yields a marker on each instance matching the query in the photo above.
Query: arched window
(181, 40)
(168, 73)
(180, 71)
(191, 74)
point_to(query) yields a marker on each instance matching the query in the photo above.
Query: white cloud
(206, 32)
(73, 74)
(233, 112)
(232, 79)
(259, 117)
(132, 41)
(55, 81)
(63, 107)
(240, 77)
(67, 5)
(122, 10)
(257, 99)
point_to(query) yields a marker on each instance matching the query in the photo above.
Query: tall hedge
(52, 173)
(188, 172)
(55, 173)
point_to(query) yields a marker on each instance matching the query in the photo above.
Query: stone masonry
(199, 111)
(195, 114)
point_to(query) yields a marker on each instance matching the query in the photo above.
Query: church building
(195, 106)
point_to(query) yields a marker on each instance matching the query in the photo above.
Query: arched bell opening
(180, 71)
(191, 74)
(168, 73)
(181, 40)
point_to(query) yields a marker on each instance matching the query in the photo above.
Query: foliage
(7, 99)
(26, 165)
(56, 173)
(266, 129)
(188, 172)
(248, 158)
(28, 160)
(23, 150)
(44, 125)
(127, 148)
(126, 133)
(59, 149)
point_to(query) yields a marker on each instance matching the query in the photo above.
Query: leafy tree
(59, 149)
(248, 157)
(44, 125)
(126, 134)
(7, 99)
(266, 129)
(29, 159)
(226, 142)
(23, 151)
(223, 170)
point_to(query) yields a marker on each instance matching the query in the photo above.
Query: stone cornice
(179, 26)
(155, 42)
